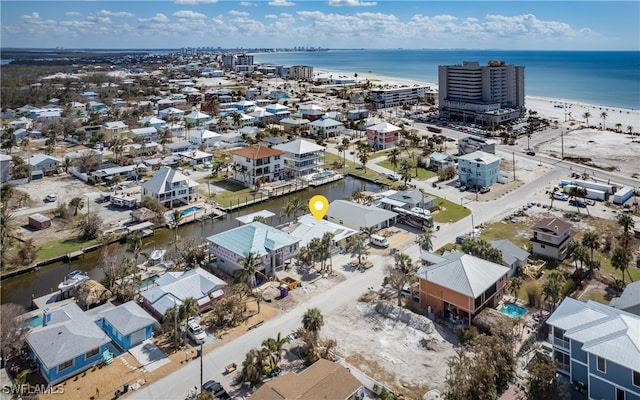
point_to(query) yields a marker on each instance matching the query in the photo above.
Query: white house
(325, 127)
(358, 216)
(206, 138)
(195, 157)
(170, 187)
(301, 157)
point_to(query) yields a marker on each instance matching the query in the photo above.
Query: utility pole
(562, 144)
(201, 355)
(513, 154)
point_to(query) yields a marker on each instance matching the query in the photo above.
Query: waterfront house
(598, 348)
(513, 257)
(322, 380)
(439, 161)
(383, 136)
(301, 157)
(205, 138)
(272, 246)
(359, 216)
(114, 131)
(308, 228)
(170, 187)
(325, 127)
(478, 169)
(127, 325)
(551, 237)
(173, 288)
(460, 286)
(67, 343)
(408, 199)
(257, 163)
(42, 165)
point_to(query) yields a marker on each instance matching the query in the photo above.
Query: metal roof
(510, 252)
(357, 215)
(604, 331)
(308, 228)
(464, 273)
(254, 237)
(299, 146)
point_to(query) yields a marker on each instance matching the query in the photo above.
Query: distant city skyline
(507, 25)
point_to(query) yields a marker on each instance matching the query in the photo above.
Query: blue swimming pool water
(33, 322)
(187, 211)
(148, 283)
(323, 174)
(512, 310)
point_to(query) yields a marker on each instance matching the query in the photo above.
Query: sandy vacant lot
(404, 351)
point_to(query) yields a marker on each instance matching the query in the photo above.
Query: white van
(195, 331)
(379, 241)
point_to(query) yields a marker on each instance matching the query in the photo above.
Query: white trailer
(611, 189)
(622, 195)
(594, 194)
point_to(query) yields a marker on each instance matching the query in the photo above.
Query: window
(602, 365)
(92, 353)
(636, 378)
(65, 365)
(620, 394)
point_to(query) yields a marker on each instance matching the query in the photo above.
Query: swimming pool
(33, 322)
(148, 283)
(512, 310)
(187, 211)
(323, 174)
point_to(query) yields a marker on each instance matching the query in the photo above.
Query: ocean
(608, 78)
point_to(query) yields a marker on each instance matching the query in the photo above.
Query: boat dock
(323, 181)
(51, 300)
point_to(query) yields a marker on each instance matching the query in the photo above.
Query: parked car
(463, 188)
(560, 196)
(531, 153)
(50, 198)
(484, 190)
(195, 331)
(393, 177)
(578, 203)
(216, 388)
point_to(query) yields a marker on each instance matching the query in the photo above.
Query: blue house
(598, 347)
(67, 343)
(127, 324)
(478, 169)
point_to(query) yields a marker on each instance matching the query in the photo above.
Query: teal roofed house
(272, 245)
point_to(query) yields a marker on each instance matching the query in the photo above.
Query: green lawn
(422, 173)
(61, 247)
(452, 212)
(356, 169)
(517, 232)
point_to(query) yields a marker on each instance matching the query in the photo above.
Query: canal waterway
(20, 289)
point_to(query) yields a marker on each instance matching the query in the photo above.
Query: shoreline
(545, 106)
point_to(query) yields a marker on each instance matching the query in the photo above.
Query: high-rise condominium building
(488, 95)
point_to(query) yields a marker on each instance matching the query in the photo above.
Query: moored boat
(72, 280)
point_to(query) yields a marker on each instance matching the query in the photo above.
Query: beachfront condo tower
(490, 95)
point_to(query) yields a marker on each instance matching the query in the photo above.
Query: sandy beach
(564, 111)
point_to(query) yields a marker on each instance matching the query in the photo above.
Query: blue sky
(535, 25)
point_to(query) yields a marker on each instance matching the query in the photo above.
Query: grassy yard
(452, 211)
(518, 233)
(61, 247)
(422, 173)
(232, 194)
(357, 170)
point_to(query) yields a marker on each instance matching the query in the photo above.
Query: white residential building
(398, 96)
(206, 138)
(170, 187)
(301, 157)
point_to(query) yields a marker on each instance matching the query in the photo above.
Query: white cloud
(238, 13)
(248, 4)
(194, 2)
(189, 14)
(106, 13)
(281, 3)
(352, 3)
(72, 14)
(159, 18)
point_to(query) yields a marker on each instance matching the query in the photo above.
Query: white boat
(72, 280)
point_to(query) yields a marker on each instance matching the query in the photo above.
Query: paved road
(176, 385)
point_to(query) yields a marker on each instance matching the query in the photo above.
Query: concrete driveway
(149, 355)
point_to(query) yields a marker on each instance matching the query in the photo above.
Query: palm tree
(134, 245)
(251, 265)
(288, 209)
(312, 320)
(514, 286)
(326, 244)
(424, 240)
(364, 151)
(591, 241)
(176, 217)
(298, 206)
(630, 129)
(393, 157)
(66, 164)
(358, 248)
(188, 309)
(77, 203)
(577, 252)
(620, 260)
(251, 371)
(626, 222)
(7, 226)
(574, 193)
(586, 117)
(6, 192)
(604, 116)
(552, 287)
(618, 127)
(274, 346)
